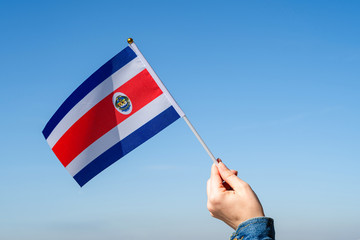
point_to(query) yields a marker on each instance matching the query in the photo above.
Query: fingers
(226, 185)
(208, 187)
(215, 182)
(229, 176)
(215, 178)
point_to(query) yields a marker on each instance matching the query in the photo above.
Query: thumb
(229, 177)
(234, 172)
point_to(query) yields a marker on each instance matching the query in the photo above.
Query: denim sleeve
(260, 228)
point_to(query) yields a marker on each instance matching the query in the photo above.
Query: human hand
(230, 199)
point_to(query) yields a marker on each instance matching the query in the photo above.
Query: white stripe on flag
(117, 79)
(157, 80)
(118, 133)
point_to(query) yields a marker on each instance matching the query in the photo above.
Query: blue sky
(271, 86)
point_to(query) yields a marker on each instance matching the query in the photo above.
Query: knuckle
(214, 199)
(210, 207)
(245, 185)
(211, 199)
(228, 175)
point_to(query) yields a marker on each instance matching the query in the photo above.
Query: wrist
(235, 224)
(255, 228)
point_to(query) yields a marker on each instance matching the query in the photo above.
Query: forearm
(260, 228)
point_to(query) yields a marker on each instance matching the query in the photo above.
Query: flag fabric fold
(119, 107)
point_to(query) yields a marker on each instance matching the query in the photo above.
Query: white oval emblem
(122, 103)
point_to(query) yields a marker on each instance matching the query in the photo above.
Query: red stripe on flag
(141, 90)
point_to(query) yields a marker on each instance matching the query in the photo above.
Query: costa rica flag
(119, 107)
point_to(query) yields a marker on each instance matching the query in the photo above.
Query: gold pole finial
(130, 40)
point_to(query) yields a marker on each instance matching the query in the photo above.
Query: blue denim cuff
(260, 228)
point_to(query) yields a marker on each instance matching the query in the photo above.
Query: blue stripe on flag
(110, 67)
(125, 146)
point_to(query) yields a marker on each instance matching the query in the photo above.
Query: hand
(230, 199)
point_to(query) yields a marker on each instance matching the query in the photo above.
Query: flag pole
(177, 108)
(200, 140)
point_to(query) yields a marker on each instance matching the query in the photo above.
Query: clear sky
(273, 87)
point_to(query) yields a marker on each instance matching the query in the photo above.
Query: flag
(119, 107)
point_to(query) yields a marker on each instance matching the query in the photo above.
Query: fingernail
(219, 160)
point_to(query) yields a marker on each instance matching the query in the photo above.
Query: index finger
(215, 177)
(230, 178)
